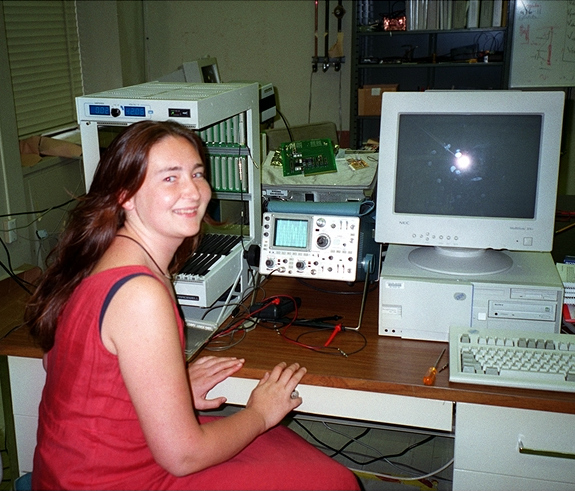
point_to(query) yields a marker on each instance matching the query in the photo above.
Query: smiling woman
(173, 198)
(105, 312)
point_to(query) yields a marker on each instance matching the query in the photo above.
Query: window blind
(44, 57)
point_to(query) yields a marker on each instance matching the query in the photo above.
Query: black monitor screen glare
(468, 165)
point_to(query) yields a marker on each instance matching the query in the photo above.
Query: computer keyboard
(511, 358)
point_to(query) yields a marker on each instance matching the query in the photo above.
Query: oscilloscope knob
(322, 241)
(269, 263)
(300, 265)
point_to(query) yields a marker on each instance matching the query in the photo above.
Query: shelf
(367, 66)
(477, 30)
(405, 58)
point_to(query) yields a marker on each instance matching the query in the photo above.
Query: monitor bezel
(472, 232)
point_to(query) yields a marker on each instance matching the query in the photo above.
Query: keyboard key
(529, 375)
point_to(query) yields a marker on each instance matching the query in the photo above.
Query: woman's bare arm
(140, 328)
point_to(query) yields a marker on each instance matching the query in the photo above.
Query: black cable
(333, 292)
(19, 281)
(10, 270)
(331, 350)
(372, 460)
(6, 334)
(41, 211)
(351, 441)
(286, 125)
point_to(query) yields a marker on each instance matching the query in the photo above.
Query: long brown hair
(95, 220)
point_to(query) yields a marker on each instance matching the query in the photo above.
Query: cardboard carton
(369, 98)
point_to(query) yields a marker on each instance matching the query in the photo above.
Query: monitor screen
(291, 233)
(469, 165)
(468, 171)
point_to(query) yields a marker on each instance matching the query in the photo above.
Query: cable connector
(337, 328)
(275, 308)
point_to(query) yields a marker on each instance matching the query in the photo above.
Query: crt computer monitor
(467, 175)
(202, 70)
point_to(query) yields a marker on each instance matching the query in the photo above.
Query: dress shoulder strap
(113, 290)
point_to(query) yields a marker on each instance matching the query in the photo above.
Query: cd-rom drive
(419, 304)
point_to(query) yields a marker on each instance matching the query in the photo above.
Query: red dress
(88, 432)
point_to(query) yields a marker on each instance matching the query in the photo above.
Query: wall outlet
(9, 228)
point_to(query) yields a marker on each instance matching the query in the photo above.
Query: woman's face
(175, 193)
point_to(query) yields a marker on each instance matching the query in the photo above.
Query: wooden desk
(387, 365)
(382, 383)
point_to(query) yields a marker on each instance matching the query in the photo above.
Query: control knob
(322, 241)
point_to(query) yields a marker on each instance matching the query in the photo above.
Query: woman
(117, 410)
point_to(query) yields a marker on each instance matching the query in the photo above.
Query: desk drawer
(488, 440)
(354, 404)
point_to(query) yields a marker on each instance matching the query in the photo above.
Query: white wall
(265, 41)
(99, 45)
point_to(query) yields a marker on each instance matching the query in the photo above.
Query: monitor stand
(460, 261)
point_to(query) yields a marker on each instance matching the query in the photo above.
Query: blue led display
(98, 110)
(138, 111)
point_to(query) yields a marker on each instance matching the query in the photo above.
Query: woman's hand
(207, 372)
(272, 397)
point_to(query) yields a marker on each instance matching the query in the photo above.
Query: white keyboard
(511, 358)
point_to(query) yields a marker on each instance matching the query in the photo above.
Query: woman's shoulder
(119, 273)
(114, 278)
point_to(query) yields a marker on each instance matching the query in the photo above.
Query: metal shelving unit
(421, 60)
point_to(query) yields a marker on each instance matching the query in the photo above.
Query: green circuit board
(308, 157)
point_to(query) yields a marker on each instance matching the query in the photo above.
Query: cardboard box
(369, 98)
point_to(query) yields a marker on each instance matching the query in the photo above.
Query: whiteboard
(543, 44)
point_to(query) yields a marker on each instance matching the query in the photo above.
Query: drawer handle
(544, 453)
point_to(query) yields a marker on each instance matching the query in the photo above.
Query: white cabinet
(487, 449)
